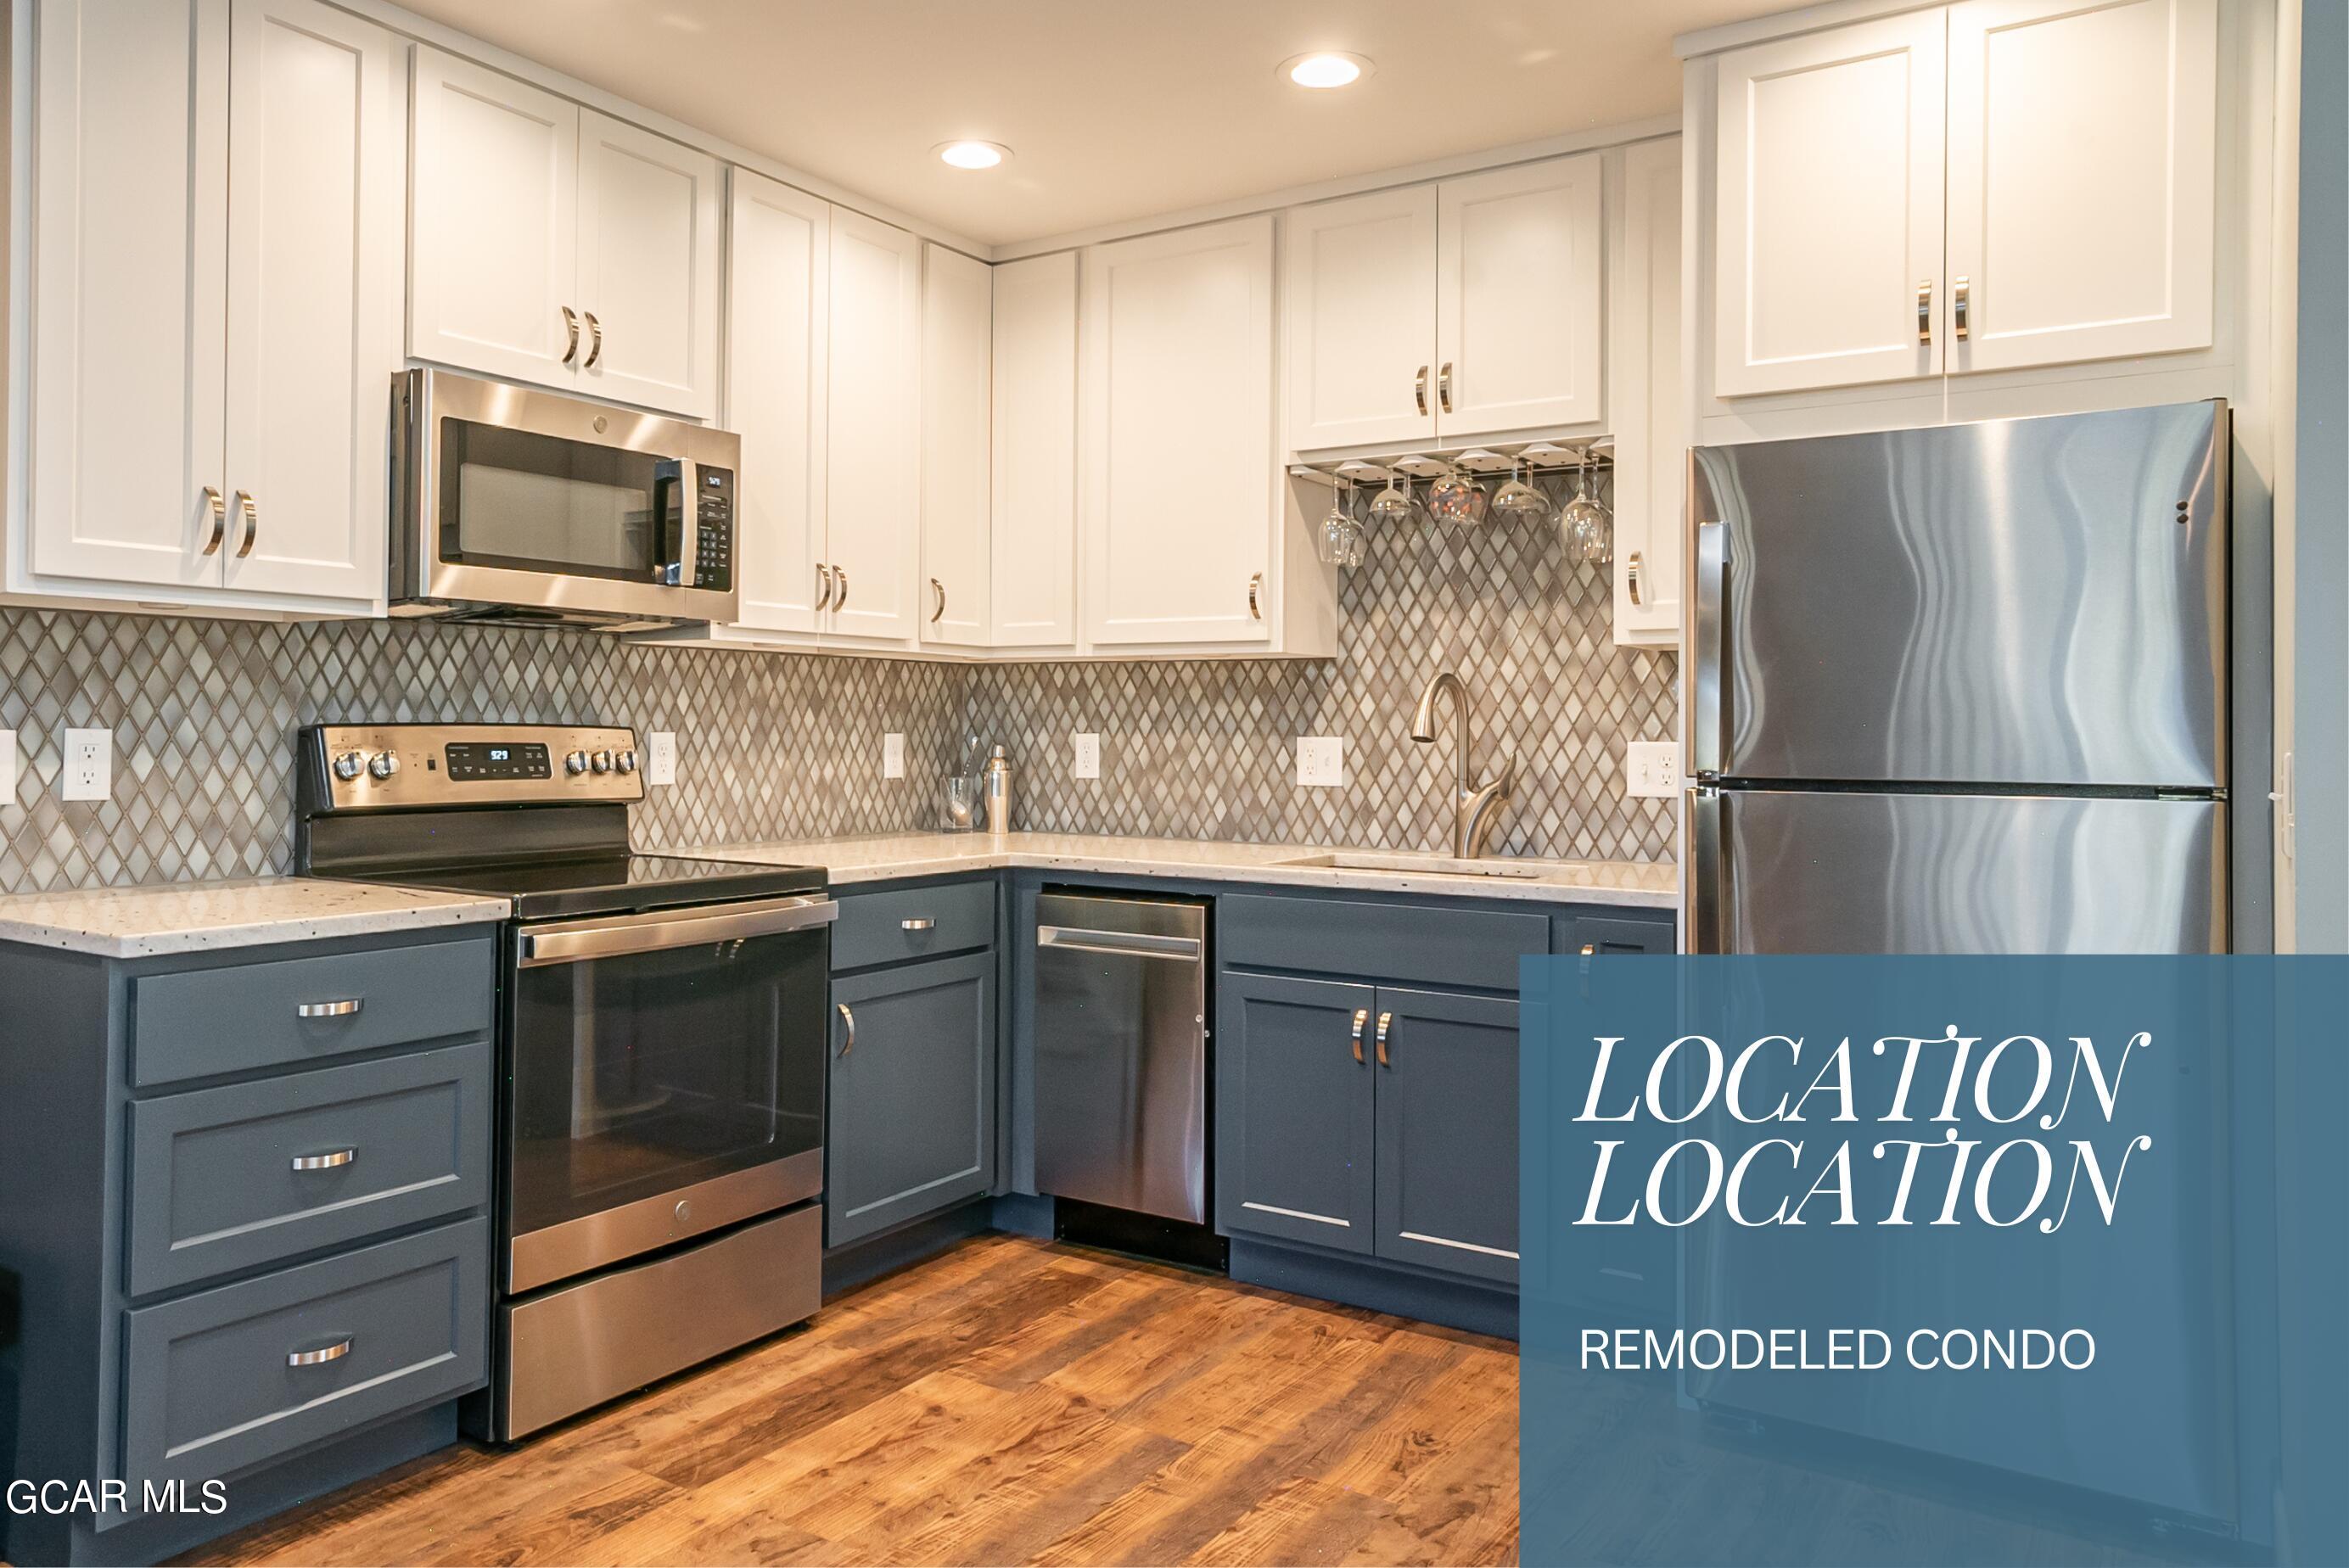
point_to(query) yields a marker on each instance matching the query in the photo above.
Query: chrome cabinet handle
(823, 580)
(334, 1161)
(319, 1357)
(1361, 1016)
(1443, 387)
(939, 589)
(1255, 608)
(1588, 948)
(251, 523)
(342, 1009)
(839, 581)
(1419, 389)
(923, 924)
(1386, 1020)
(1960, 293)
(571, 329)
(219, 509)
(595, 346)
(1631, 576)
(1925, 311)
(849, 1020)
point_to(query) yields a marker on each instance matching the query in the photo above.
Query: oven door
(666, 1079)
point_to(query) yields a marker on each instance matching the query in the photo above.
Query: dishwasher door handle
(1124, 944)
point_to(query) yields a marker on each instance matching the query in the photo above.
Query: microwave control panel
(713, 540)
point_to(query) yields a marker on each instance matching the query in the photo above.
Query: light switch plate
(8, 769)
(1321, 760)
(1084, 759)
(660, 763)
(1651, 769)
(893, 756)
(90, 765)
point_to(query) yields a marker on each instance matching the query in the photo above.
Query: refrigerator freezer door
(2017, 602)
(1794, 871)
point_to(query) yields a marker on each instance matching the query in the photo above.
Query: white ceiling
(1114, 108)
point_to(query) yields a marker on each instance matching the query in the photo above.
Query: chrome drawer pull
(335, 1160)
(342, 1009)
(848, 1021)
(925, 923)
(1361, 1016)
(1386, 1021)
(335, 1352)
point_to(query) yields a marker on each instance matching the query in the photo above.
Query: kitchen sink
(1365, 860)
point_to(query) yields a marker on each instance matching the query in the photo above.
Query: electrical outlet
(661, 761)
(893, 756)
(1084, 760)
(8, 769)
(1321, 760)
(1651, 769)
(90, 765)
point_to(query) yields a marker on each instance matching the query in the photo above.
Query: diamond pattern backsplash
(789, 746)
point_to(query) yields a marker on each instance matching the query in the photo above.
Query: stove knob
(601, 762)
(576, 763)
(626, 762)
(348, 766)
(383, 764)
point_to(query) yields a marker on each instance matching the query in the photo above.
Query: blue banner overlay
(1934, 1260)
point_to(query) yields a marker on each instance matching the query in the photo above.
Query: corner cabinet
(866, 580)
(957, 391)
(1033, 521)
(550, 244)
(216, 199)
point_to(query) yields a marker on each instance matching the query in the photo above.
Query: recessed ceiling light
(972, 154)
(1326, 68)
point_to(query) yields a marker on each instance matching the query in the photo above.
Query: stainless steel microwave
(514, 504)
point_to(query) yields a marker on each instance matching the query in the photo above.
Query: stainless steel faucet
(1475, 811)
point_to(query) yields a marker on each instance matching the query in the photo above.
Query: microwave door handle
(669, 557)
(688, 510)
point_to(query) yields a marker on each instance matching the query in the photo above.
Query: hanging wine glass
(1333, 545)
(1518, 501)
(1586, 528)
(1394, 506)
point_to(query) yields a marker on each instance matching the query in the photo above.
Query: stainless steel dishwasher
(1122, 1052)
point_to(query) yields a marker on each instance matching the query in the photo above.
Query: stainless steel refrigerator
(1962, 689)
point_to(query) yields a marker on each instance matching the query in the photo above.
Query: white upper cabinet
(649, 268)
(551, 244)
(1176, 444)
(1517, 318)
(217, 202)
(1828, 227)
(2081, 202)
(1650, 423)
(1359, 308)
(869, 573)
(958, 309)
(778, 321)
(1035, 453)
(493, 239)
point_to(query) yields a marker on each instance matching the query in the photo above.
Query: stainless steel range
(662, 1037)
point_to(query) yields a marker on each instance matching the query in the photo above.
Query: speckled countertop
(1632, 883)
(202, 917)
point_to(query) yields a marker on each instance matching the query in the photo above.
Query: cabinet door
(778, 323)
(317, 146)
(2081, 205)
(130, 204)
(1827, 207)
(649, 268)
(1294, 1109)
(1178, 442)
(873, 515)
(1518, 321)
(1447, 1133)
(957, 330)
(1650, 417)
(912, 1120)
(1361, 313)
(1035, 460)
(493, 236)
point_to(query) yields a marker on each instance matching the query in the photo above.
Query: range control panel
(384, 767)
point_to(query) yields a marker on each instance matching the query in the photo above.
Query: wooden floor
(1012, 1401)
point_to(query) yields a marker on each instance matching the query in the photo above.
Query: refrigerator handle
(1707, 881)
(1707, 694)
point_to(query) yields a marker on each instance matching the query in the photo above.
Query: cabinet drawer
(215, 1180)
(913, 923)
(199, 1022)
(211, 1386)
(1404, 943)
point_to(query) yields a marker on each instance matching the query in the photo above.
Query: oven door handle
(572, 940)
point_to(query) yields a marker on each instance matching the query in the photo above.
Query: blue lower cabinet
(1447, 1132)
(912, 1094)
(1295, 1117)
